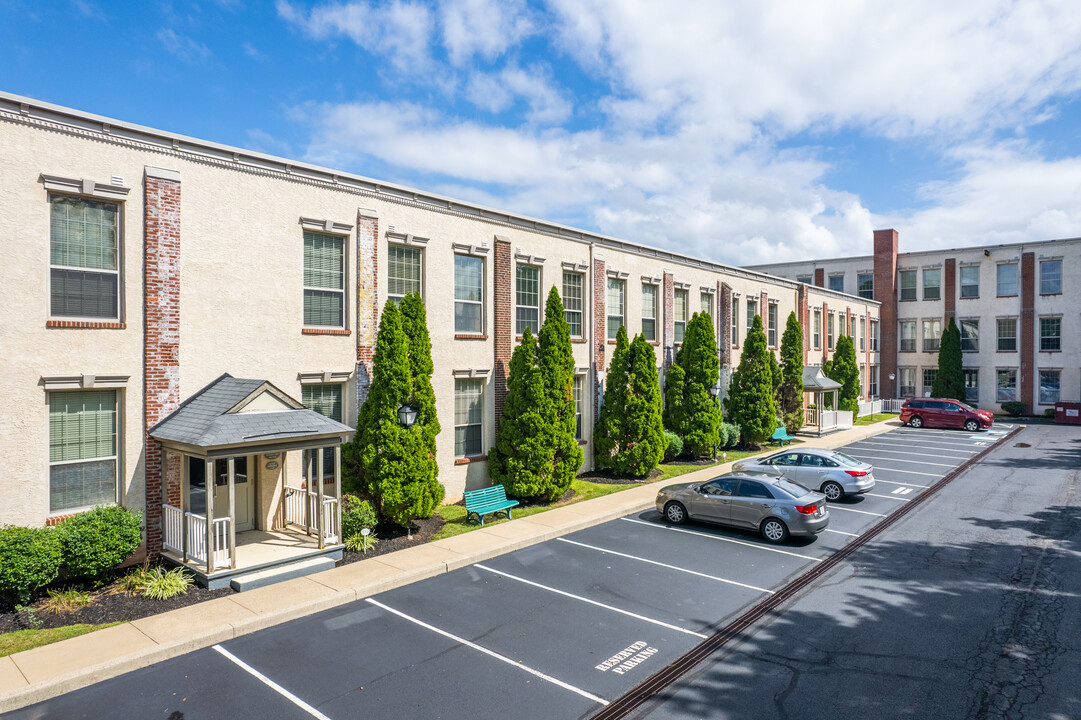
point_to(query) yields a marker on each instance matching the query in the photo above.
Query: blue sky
(742, 132)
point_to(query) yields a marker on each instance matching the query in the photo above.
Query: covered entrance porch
(819, 387)
(252, 484)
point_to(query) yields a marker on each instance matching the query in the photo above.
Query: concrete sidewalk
(35, 675)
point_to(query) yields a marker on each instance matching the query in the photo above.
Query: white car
(831, 472)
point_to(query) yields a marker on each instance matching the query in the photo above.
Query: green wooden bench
(780, 435)
(488, 500)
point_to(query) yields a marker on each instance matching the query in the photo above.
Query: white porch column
(319, 514)
(338, 490)
(231, 463)
(209, 482)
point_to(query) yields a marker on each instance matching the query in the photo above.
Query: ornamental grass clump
(157, 583)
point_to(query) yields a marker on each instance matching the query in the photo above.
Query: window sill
(579, 340)
(969, 297)
(470, 460)
(611, 342)
(469, 336)
(1006, 296)
(1043, 294)
(1050, 351)
(654, 343)
(583, 442)
(87, 324)
(1006, 351)
(325, 331)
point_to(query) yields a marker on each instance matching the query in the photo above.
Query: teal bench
(488, 500)
(780, 435)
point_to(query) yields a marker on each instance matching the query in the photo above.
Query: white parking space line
(953, 445)
(911, 446)
(894, 482)
(907, 472)
(841, 532)
(887, 497)
(861, 512)
(723, 539)
(666, 565)
(906, 452)
(915, 462)
(486, 651)
(271, 684)
(954, 438)
(636, 616)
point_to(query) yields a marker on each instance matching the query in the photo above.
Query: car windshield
(966, 406)
(788, 487)
(846, 460)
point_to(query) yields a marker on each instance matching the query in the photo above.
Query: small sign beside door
(272, 465)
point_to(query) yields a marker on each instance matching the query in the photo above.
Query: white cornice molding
(82, 186)
(406, 238)
(324, 376)
(327, 226)
(575, 267)
(471, 373)
(526, 259)
(467, 249)
(84, 382)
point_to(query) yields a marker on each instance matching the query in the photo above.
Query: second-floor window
(829, 331)
(468, 294)
(84, 258)
(680, 314)
(572, 301)
(818, 329)
(932, 335)
(874, 336)
(649, 312)
(970, 281)
(752, 310)
(863, 333)
(771, 338)
(837, 282)
(932, 284)
(324, 280)
(865, 285)
(908, 336)
(735, 322)
(527, 299)
(908, 284)
(1050, 277)
(1006, 280)
(706, 299)
(404, 269)
(970, 335)
(1050, 333)
(1007, 334)
(616, 292)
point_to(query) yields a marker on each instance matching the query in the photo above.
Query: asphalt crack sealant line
(627, 703)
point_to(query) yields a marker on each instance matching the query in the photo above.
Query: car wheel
(675, 513)
(916, 421)
(972, 426)
(774, 530)
(832, 491)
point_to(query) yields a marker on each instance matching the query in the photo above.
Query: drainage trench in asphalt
(627, 703)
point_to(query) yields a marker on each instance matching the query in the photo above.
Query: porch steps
(280, 573)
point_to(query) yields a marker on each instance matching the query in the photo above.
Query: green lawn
(872, 419)
(456, 524)
(20, 640)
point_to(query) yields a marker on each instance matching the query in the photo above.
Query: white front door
(244, 482)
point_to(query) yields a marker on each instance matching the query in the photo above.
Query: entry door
(244, 492)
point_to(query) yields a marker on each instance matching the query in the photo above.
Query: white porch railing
(195, 525)
(869, 407)
(305, 515)
(835, 420)
(810, 416)
(892, 405)
(173, 522)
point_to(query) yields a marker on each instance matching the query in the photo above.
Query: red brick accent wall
(161, 325)
(1028, 329)
(668, 339)
(820, 277)
(503, 333)
(886, 293)
(949, 290)
(367, 310)
(600, 329)
(724, 332)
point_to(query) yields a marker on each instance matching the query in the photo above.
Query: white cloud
(183, 47)
(483, 27)
(496, 92)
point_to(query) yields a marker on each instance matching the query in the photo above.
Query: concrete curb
(45, 672)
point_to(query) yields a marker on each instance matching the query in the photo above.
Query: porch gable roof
(814, 379)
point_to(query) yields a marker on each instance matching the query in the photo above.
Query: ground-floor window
(929, 375)
(1005, 385)
(325, 399)
(82, 449)
(579, 397)
(907, 377)
(468, 417)
(972, 385)
(1049, 386)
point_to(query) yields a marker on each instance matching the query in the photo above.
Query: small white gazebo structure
(816, 384)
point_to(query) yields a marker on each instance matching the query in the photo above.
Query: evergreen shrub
(674, 447)
(29, 559)
(357, 514)
(750, 402)
(1013, 408)
(950, 378)
(99, 540)
(693, 413)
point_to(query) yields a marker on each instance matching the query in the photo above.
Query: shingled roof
(220, 415)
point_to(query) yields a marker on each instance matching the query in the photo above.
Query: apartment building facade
(1017, 309)
(154, 279)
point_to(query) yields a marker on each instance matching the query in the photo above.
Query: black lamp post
(715, 391)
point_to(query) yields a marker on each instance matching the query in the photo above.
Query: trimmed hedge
(99, 540)
(1013, 408)
(29, 559)
(674, 446)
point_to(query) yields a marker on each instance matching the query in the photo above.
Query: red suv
(946, 413)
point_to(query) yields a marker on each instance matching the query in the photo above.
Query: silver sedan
(830, 471)
(771, 505)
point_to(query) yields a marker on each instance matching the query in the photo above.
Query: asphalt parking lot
(557, 630)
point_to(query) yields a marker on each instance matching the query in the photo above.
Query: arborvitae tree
(695, 415)
(521, 460)
(556, 362)
(415, 325)
(608, 430)
(389, 463)
(844, 369)
(675, 415)
(790, 394)
(775, 376)
(750, 403)
(950, 379)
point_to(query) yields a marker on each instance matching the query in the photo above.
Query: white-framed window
(908, 284)
(970, 281)
(752, 310)
(865, 285)
(908, 336)
(837, 282)
(771, 338)
(1049, 386)
(907, 376)
(405, 271)
(649, 312)
(874, 336)
(863, 334)
(468, 417)
(468, 294)
(1050, 277)
(83, 449)
(324, 280)
(579, 399)
(526, 298)
(616, 312)
(84, 258)
(1006, 280)
(932, 335)
(735, 322)
(1005, 385)
(932, 284)
(852, 326)
(872, 383)
(1007, 334)
(325, 399)
(573, 301)
(805, 279)
(706, 300)
(1050, 334)
(929, 375)
(829, 331)
(972, 385)
(679, 313)
(818, 329)
(970, 335)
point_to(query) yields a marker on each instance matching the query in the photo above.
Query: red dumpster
(1068, 413)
